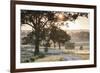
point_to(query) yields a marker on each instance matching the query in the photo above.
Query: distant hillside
(79, 35)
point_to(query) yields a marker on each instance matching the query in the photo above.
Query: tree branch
(30, 25)
(45, 23)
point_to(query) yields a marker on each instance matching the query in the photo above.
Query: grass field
(27, 55)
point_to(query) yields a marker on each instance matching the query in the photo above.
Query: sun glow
(60, 16)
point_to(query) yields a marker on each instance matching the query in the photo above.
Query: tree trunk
(59, 45)
(46, 49)
(37, 41)
(54, 45)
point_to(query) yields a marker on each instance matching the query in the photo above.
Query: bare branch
(30, 25)
(44, 23)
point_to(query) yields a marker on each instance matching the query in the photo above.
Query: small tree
(58, 35)
(62, 37)
(53, 35)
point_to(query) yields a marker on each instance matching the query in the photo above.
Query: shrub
(26, 61)
(32, 59)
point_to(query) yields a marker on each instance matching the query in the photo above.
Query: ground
(54, 55)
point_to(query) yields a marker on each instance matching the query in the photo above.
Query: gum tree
(38, 21)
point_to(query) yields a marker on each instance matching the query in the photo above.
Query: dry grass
(83, 54)
(50, 58)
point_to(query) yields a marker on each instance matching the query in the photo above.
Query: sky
(79, 24)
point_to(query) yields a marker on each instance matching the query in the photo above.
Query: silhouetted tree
(62, 37)
(53, 35)
(37, 20)
(59, 36)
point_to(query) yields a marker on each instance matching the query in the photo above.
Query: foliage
(58, 35)
(37, 20)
